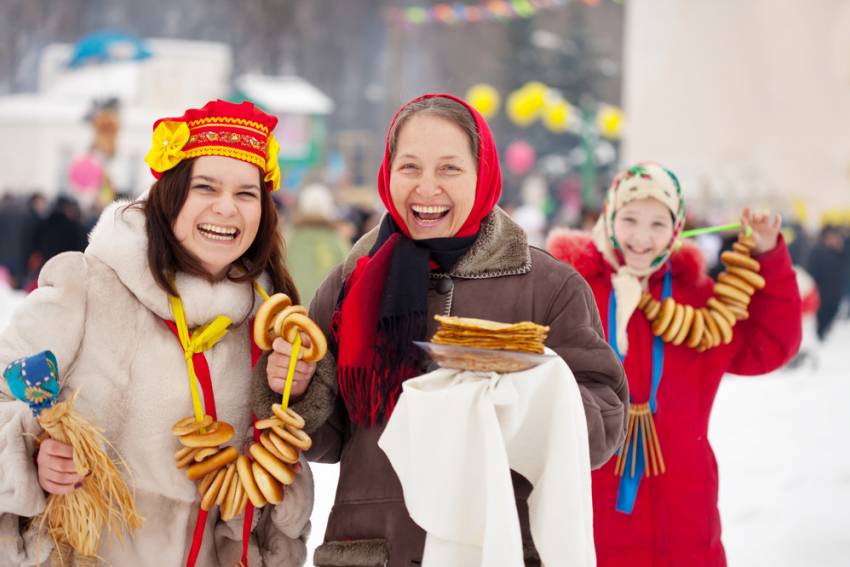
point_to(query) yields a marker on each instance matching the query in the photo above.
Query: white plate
(482, 359)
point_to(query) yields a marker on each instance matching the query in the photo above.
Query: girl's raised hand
(765, 230)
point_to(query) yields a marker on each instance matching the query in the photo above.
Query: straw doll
(677, 332)
(74, 520)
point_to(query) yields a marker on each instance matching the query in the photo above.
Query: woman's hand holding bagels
(765, 230)
(278, 367)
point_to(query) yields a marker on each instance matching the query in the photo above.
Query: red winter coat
(675, 521)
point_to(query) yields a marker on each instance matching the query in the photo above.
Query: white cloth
(452, 440)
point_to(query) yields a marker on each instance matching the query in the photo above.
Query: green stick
(708, 229)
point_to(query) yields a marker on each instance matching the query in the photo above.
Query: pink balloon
(520, 157)
(85, 174)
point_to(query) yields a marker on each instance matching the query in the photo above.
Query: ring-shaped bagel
(205, 453)
(275, 466)
(740, 313)
(675, 325)
(288, 416)
(711, 328)
(660, 323)
(697, 330)
(185, 456)
(717, 305)
(285, 451)
(749, 276)
(269, 486)
(189, 425)
(268, 422)
(747, 240)
(740, 248)
(295, 437)
(217, 461)
(229, 477)
(687, 320)
(735, 259)
(243, 467)
(218, 432)
(264, 321)
(653, 307)
(266, 441)
(281, 317)
(227, 506)
(212, 492)
(206, 482)
(296, 323)
(242, 503)
(723, 325)
(735, 281)
(644, 300)
(732, 292)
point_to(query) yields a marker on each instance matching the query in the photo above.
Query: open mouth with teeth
(430, 214)
(220, 233)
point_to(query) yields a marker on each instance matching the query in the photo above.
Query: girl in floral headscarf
(666, 514)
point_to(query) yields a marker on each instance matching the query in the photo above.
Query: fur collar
(119, 241)
(576, 248)
(500, 249)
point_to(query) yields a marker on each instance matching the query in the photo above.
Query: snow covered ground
(782, 447)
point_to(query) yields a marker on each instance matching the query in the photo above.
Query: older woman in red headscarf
(443, 248)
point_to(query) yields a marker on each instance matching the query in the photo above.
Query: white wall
(748, 101)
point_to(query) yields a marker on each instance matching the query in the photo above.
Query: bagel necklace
(226, 478)
(699, 328)
(710, 326)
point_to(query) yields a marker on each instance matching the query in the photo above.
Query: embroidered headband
(220, 128)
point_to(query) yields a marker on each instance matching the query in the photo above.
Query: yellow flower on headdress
(272, 167)
(168, 141)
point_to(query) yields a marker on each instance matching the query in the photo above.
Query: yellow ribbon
(168, 141)
(204, 338)
(293, 358)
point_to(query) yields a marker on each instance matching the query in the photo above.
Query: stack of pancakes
(480, 333)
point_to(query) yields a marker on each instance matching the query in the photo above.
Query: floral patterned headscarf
(646, 180)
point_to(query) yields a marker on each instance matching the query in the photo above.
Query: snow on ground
(782, 449)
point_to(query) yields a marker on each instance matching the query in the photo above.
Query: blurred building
(44, 132)
(746, 101)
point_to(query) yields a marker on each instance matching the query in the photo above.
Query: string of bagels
(710, 326)
(226, 478)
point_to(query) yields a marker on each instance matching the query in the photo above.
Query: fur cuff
(363, 553)
(318, 402)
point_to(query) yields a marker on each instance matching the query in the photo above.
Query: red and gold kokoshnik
(220, 128)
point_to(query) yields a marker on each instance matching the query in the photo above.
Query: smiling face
(643, 229)
(221, 215)
(433, 177)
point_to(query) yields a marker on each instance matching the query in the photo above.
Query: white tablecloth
(453, 438)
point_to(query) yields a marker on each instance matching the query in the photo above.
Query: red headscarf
(384, 302)
(487, 190)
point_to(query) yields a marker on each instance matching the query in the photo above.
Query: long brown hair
(166, 255)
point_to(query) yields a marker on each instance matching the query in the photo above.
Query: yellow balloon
(519, 109)
(556, 116)
(485, 99)
(609, 121)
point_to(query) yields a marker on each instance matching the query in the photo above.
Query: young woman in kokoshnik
(204, 237)
(443, 248)
(670, 518)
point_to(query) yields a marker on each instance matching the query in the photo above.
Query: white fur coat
(101, 313)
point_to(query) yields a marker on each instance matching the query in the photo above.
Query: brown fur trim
(501, 247)
(363, 553)
(318, 402)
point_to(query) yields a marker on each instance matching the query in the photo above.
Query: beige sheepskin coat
(101, 313)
